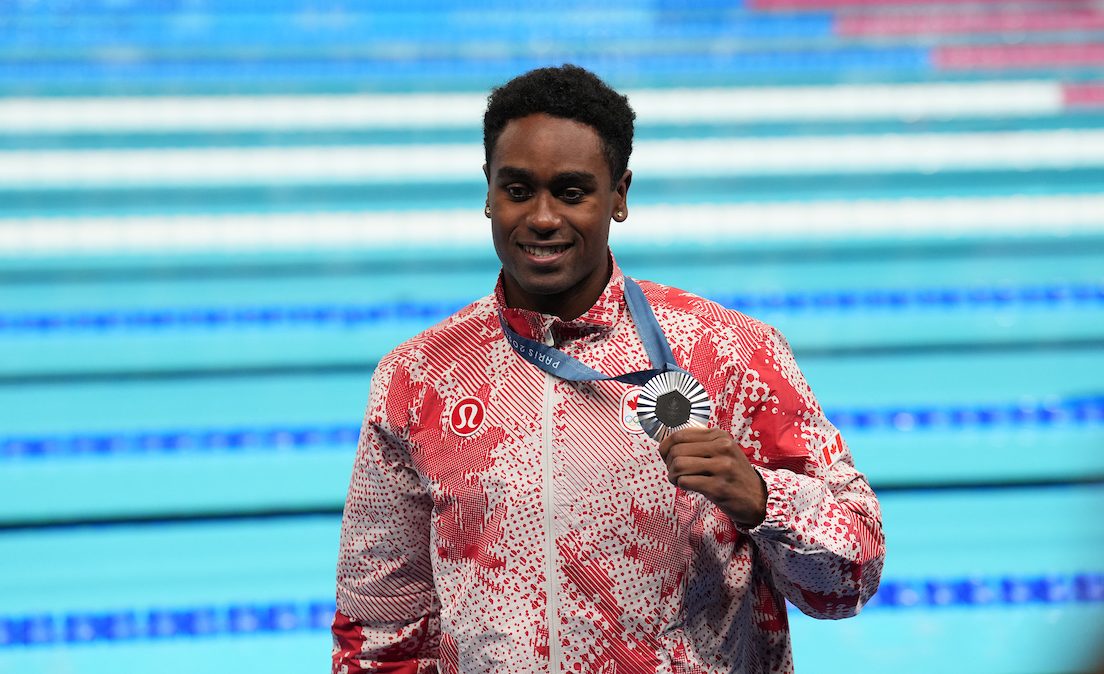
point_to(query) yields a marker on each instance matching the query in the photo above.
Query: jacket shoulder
(677, 303)
(457, 332)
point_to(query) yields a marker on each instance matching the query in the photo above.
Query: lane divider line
(1046, 413)
(366, 315)
(281, 617)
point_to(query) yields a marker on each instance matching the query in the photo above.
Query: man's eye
(573, 194)
(517, 192)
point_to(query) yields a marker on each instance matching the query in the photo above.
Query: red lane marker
(833, 4)
(1005, 57)
(1086, 94)
(915, 23)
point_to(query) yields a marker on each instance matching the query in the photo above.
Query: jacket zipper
(549, 520)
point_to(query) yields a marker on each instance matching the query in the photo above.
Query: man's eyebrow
(583, 177)
(514, 173)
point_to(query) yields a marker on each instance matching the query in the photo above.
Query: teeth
(544, 251)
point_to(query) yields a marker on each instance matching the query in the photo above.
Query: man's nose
(544, 216)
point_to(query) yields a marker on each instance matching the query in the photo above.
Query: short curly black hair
(570, 92)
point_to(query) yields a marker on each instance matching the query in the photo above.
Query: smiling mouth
(544, 251)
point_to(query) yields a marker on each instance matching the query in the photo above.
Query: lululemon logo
(466, 416)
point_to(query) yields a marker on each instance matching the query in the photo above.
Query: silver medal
(671, 401)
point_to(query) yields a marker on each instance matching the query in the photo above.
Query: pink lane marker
(834, 4)
(1084, 94)
(1002, 57)
(943, 23)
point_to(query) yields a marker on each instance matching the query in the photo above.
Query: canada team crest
(627, 411)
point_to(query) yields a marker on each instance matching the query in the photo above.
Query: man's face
(551, 199)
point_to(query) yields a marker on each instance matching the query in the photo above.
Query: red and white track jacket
(502, 520)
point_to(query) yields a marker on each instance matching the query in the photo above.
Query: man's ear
(623, 184)
(487, 173)
(622, 189)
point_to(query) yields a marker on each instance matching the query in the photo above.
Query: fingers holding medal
(710, 462)
(674, 408)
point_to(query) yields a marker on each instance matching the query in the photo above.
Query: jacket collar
(600, 318)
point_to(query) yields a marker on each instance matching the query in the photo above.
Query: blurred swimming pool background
(215, 217)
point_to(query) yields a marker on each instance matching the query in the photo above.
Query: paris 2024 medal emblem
(672, 401)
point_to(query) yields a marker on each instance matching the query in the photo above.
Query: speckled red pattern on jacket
(456, 549)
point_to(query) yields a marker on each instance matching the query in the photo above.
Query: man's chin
(551, 290)
(550, 285)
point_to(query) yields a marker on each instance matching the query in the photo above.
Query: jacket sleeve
(387, 609)
(822, 536)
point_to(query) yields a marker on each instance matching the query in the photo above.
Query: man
(506, 517)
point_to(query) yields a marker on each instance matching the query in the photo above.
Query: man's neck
(567, 305)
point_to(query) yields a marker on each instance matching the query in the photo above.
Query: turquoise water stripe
(181, 484)
(231, 402)
(1086, 120)
(1024, 640)
(463, 81)
(407, 196)
(449, 73)
(169, 564)
(170, 7)
(276, 138)
(345, 274)
(456, 28)
(482, 84)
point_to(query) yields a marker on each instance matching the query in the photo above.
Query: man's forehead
(542, 129)
(542, 139)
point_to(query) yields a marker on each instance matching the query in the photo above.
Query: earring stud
(487, 210)
(620, 214)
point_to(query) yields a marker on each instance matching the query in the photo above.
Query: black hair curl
(569, 92)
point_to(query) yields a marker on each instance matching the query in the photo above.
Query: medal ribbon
(558, 363)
